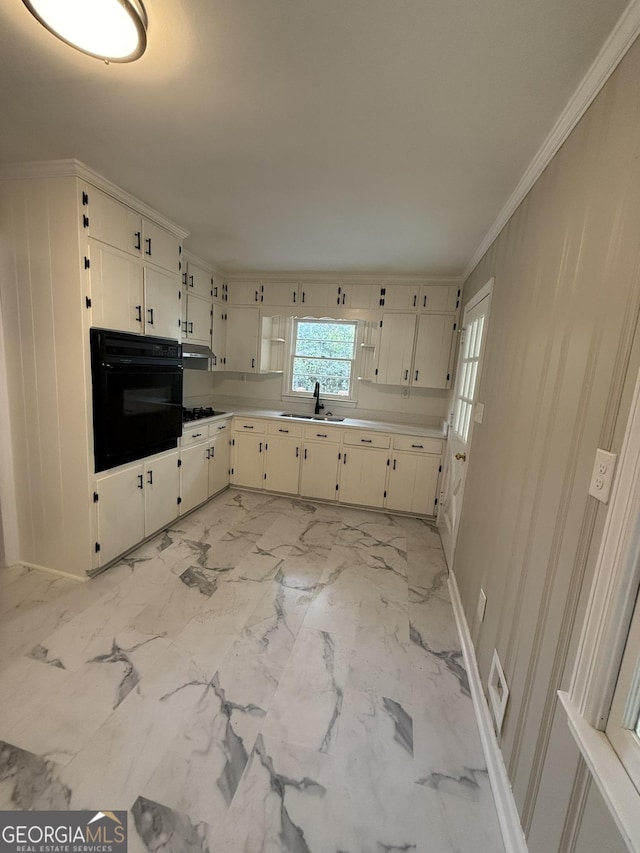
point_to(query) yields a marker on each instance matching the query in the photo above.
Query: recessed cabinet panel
(219, 337)
(412, 483)
(219, 463)
(248, 460)
(439, 297)
(197, 280)
(399, 297)
(117, 300)
(395, 349)
(197, 326)
(162, 310)
(160, 247)
(319, 471)
(316, 294)
(120, 509)
(280, 292)
(282, 466)
(194, 476)
(161, 490)
(113, 223)
(433, 349)
(243, 337)
(363, 473)
(244, 292)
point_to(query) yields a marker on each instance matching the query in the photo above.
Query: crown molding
(348, 278)
(77, 169)
(615, 47)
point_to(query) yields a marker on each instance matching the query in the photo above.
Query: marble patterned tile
(265, 675)
(307, 707)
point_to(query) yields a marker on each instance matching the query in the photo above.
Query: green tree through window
(324, 352)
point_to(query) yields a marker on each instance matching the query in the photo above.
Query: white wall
(561, 359)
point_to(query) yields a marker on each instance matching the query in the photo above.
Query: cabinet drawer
(248, 425)
(323, 433)
(287, 428)
(364, 438)
(219, 428)
(194, 434)
(417, 444)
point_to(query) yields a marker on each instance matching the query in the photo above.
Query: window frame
(349, 400)
(606, 641)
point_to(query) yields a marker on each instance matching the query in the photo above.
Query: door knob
(462, 456)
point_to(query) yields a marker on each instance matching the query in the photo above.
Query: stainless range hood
(196, 355)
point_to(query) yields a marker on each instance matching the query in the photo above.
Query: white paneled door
(456, 457)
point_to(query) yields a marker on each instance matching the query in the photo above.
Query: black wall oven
(137, 396)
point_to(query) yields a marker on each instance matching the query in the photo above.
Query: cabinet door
(160, 247)
(412, 484)
(440, 297)
(244, 292)
(218, 289)
(282, 464)
(120, 510)
(316, 294)
(362, 296)
(219, 337)
(219, 463)
(116, 289)
(242, 339)
(319, 471)
(399, 297)
(113, 223)
(433, 349)
(161, 489)
(248, 460)
(162, 304)
(395, 349)
(198, 319)
(363, 473)
(280, 292)
(194, 476)
(198, 281)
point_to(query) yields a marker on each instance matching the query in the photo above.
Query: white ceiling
(353, 135)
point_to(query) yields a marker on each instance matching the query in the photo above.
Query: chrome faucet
(316, 394)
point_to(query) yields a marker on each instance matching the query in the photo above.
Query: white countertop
(347, 423)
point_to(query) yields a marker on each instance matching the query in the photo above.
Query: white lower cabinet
(412, 483)
(133, 502)
(218, 463)
(247, 465)
(194, 476)
(363, 474)
(319, 470)
(282, 464)
(161, 491)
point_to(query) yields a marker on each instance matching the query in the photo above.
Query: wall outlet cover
(604, 468)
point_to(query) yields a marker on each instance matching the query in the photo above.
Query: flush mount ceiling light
(113, 30)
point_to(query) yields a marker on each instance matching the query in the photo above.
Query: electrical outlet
(602, 475)
(404, 393)
(482, 605)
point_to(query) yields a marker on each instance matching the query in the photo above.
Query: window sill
(614, 784)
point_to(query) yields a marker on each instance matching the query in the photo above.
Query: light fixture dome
(113, 30)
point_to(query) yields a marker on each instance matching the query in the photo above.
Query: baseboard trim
(49, 570)
(508, 818)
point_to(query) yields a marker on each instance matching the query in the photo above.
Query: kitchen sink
(329, 418)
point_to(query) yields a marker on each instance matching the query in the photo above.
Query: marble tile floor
(266, 675)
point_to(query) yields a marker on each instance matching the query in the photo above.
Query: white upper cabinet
(197, 280)
(398, 297)
(117, 225)
(362, 296)
(197, 314)
(395, 349)
(117, 289)
(162, 309)
(279, 293)
(243, 339)
(219, 336)
(112, 222)
(431, 363)
(244, 292)
(439, 297)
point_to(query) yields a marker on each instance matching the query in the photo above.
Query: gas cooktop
(198, 414)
